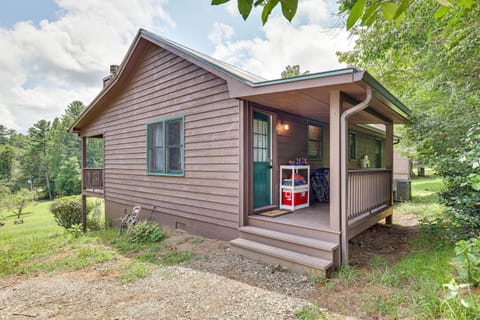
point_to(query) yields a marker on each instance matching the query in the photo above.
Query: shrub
(461, 172)
(145, 232)
(95, 220)
(467, 260)
(67, 211)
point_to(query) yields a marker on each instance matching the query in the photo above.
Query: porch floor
(316, 216)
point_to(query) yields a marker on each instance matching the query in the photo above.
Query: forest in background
(47, 160)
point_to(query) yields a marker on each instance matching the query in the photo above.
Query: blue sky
(55, 51)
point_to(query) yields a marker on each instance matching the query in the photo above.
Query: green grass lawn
(32, 247)
(39, 245)
(424, 203)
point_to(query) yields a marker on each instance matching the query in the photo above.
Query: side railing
(369, 190)
(92, 180)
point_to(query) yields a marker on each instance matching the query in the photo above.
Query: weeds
(310, 312)
(176, 257)
(348, 274)
(133, 271)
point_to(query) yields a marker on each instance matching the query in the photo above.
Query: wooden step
(305, 245)
(273, 255)
(299, 230)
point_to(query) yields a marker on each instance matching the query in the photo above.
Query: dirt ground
(217, 285)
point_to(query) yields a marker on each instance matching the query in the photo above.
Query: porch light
(285, 125)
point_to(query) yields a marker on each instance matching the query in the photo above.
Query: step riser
(315, 252)
(296, 230)
(296, 267)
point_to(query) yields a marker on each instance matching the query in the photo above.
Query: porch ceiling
(314, 103)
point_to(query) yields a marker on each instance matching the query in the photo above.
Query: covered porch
(360, 193)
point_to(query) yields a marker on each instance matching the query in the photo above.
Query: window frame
(321, 141)
(352, 137)
(164, 172)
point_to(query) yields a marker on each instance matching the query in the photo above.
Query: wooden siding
(165, 86)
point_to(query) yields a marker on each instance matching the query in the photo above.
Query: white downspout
(344, 169)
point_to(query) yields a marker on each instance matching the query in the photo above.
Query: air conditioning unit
(402, 190)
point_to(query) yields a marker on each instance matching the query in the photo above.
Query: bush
(145, 232)
(95, 219)
(67, 211)
(461, 172)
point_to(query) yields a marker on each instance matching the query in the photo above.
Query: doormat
(274, 213)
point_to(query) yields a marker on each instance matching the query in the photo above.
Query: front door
(262, 162)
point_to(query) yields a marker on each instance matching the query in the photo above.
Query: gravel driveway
(218, 285)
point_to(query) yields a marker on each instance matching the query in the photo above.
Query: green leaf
(370, 15)
(245, 7)
(268, 9)
(401, 8)
(355, 14)
(389, 9)
(440, 12)
(445, 3)
(289, 8)
(217, 2)
(466, 3)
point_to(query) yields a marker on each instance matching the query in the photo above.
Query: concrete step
(306, 245)
(296, 261)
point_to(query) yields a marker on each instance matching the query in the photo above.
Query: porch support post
(344, 169)
(335, 155)
(83, 151)
(84, 213)
(84, 197)
(389, 161)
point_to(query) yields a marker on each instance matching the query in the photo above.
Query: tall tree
(35, 162)
(63, 152)
(293, 71)
(432, 65)
(7, 158)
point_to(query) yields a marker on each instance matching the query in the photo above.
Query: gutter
(344, 170)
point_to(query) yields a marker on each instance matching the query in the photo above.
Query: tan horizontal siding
(182, 203)
(205, 189)
(174, 181)
(165, 86)
(175, 210)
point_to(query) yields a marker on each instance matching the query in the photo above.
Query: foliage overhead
(289, 7)
(358, 12)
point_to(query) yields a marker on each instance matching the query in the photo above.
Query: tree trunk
(47, 180)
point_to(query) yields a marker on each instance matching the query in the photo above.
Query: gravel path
(175, 292)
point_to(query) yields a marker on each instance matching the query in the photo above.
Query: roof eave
(393, 102)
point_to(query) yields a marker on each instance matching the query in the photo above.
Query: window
(315, 140)
(352, 145)
(165, 147)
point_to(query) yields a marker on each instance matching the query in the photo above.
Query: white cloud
(312, 46)
(317, 12)
(46, 66)
(231, 8)
(221, 32)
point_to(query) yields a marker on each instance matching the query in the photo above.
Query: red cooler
(301, 197)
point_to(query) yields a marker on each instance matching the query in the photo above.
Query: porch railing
(93, 179)
(368, 190)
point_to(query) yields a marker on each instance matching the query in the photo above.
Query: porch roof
(305, 95)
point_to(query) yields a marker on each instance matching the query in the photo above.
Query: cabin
(208, 148)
